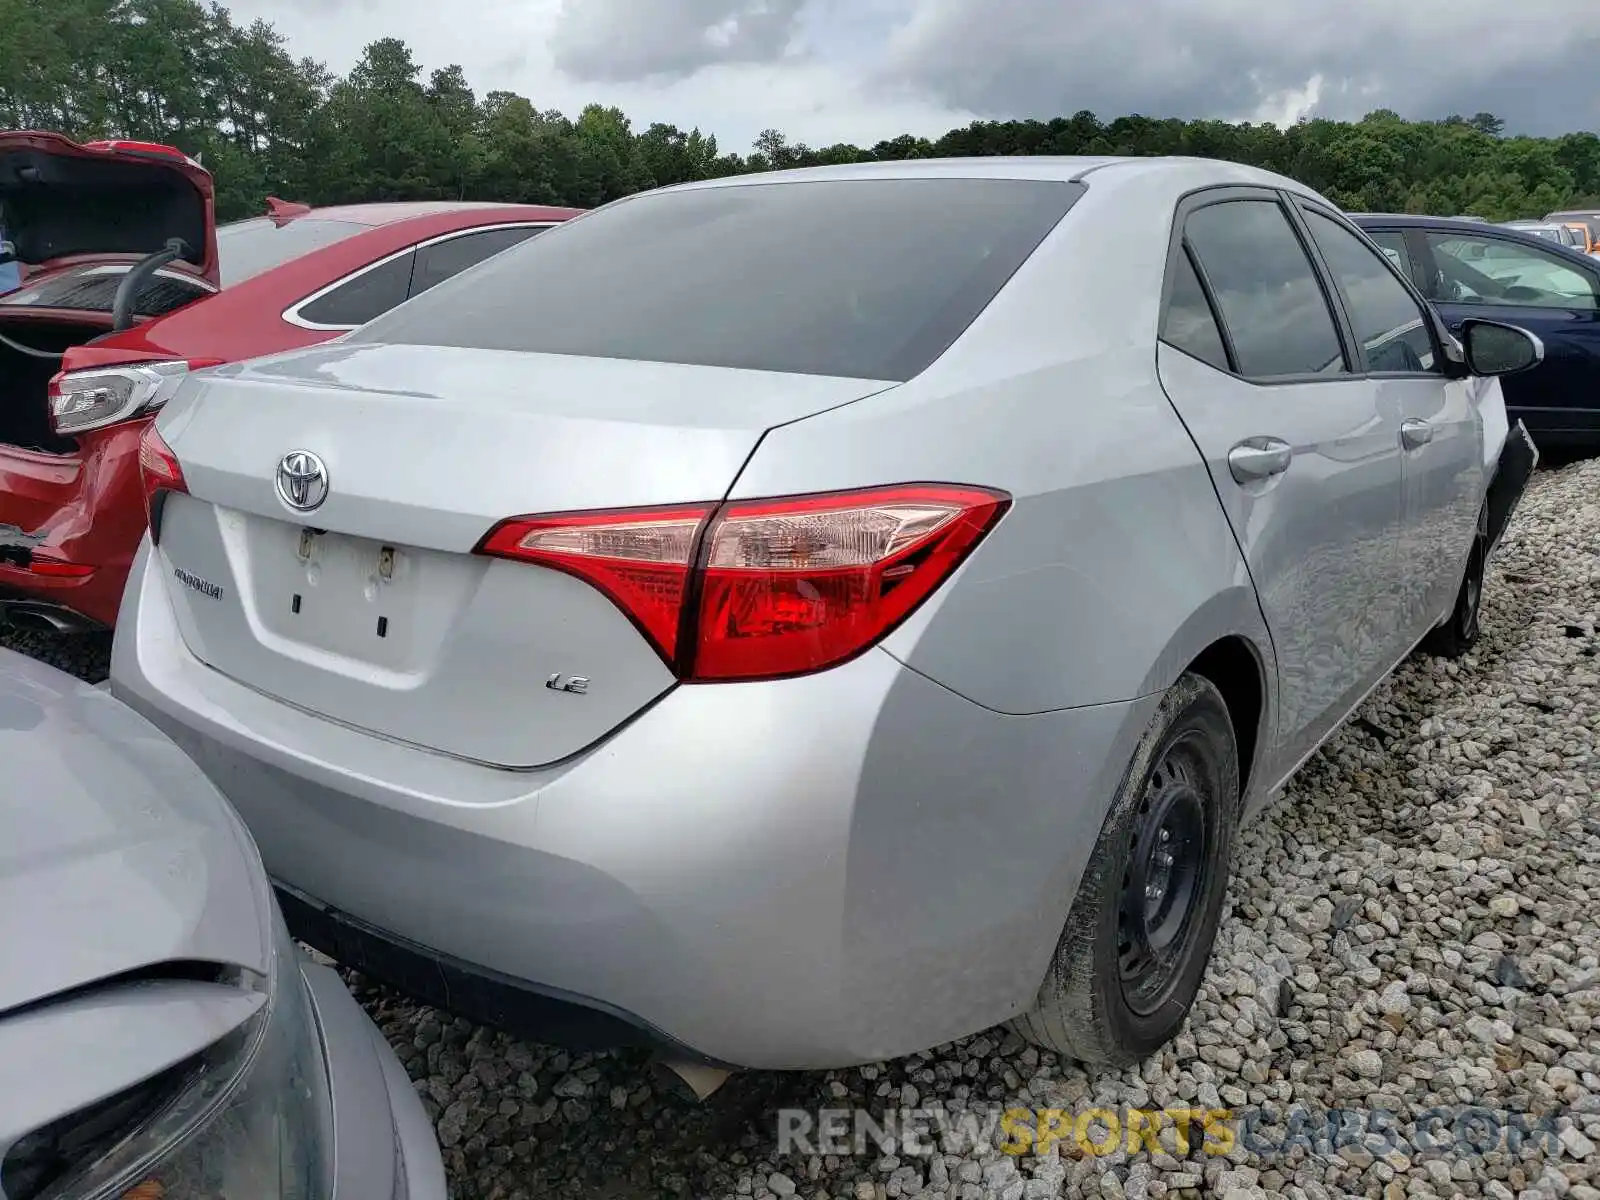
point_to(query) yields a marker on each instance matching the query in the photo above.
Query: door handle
(1415, 434)
(1258, 458)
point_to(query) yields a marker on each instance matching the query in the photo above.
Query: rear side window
(247, 248)
(441, 260)
(358, 300)
(1271, 301)
(867, 278)
(1188, 322)
(1388, 321)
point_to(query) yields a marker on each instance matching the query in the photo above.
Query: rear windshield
(94, 289)
(246, 248)
(867, 278)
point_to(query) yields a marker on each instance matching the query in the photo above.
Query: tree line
(264, 122)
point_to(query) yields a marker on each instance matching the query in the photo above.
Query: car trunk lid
(114, 200)
(372, 609)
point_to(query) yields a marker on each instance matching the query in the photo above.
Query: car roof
(1106, 170)
(1420, 219)
(389, 211)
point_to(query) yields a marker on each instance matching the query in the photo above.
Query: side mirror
(1493, 348)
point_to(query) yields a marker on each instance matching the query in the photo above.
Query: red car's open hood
(119, 200)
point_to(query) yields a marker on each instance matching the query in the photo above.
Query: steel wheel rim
(1165, 881)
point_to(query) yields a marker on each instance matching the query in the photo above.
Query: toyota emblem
(302, 480)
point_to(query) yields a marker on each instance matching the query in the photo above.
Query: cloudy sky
(825, 71)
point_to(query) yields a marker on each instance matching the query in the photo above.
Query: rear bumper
(384, 1145)
(85, 509)
(517, 1006)
(817, 872)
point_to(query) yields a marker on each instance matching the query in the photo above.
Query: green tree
(181, 71)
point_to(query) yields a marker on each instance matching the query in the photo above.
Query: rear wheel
(1460, 633)
(1140, 931)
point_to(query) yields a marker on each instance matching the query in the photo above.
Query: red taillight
(48, 566)
(791, 586)
(638, 557)
(765, 588)
(160, 473)
(58, 568)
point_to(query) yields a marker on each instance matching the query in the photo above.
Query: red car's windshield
(247, 248)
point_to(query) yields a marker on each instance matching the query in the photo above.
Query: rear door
(1304, 452)
(1554, 295)
(1441, 432)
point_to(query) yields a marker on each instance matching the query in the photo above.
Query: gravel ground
(1412, 929)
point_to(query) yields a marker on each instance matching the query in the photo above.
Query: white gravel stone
(1412, 927)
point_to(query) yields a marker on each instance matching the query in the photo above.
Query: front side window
(1388, 321)
(360, 299)
(1393, 244)
(1471, 269)
(864, 278)
(1271, 301)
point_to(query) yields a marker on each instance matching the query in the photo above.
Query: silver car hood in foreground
(116, 853)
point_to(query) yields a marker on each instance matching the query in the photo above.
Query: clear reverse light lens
(818, 540)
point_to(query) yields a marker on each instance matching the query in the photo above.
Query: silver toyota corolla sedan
(804, 618)
(161, 1038)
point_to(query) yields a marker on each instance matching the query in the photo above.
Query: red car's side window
(376, 289)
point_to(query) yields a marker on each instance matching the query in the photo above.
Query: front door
(1441, 435)
(1304, 453)
(1482, 274)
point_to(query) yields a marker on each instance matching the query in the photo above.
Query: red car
(121, 284)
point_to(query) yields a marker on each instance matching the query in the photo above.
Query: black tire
(1181, 787)
(1460, 633)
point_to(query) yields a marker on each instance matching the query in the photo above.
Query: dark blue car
(1470, 269)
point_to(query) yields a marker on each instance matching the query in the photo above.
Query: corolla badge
(302, 480)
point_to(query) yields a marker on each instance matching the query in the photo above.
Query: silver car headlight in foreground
(249, 1118)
